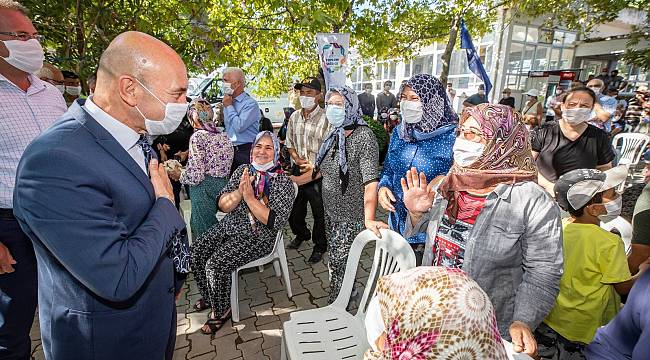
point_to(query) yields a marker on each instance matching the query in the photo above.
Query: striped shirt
(306, 135)
(23, 116)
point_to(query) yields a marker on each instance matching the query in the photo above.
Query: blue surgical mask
(335, 115)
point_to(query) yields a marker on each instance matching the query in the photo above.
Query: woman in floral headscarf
(348, 161)
(423, 140)
(490, 218)
(257, 201)
(432, 313)
(208, 165)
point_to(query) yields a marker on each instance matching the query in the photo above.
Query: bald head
(145, 72)
(137, 54)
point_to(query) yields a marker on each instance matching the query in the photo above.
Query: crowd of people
(502, 208)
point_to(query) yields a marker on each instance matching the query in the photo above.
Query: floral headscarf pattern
(437, 111)
(436, 313)
(353, 118)
(204, 113)
(506, 159)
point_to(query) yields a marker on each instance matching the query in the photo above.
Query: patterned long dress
(234, 242)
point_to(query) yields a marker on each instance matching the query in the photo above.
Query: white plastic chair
(331, 332)
(186, 211)
(279, 259)
(631, 146)
(624, 228)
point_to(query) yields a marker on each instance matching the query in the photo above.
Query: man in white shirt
(27, 107)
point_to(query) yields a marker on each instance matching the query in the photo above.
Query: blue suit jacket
(106, 281)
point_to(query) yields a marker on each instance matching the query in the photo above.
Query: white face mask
(335, 115)
(481, 92)
(263, 167)
(227, 89)
(174, 113)
(576, 116)
(27, 55)
(73, 90)
(307, 102)
(411, 111)
(61, 88)
(613, 210)
(466, 152)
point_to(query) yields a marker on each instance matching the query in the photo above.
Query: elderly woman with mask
(423, 140)
(348, 161)
(432, 313)
(257, 201)
(489, 217)
(208, 165)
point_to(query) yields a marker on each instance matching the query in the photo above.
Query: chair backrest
(392, 254)
(631, 147)
(624, 228)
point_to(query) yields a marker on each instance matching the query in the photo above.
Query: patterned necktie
(147, 150)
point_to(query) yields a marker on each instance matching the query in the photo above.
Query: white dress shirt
(23, 116)
(124, 135)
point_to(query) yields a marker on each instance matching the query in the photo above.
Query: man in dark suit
(105, 232)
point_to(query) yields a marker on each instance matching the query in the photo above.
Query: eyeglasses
(23, 36)
(471, 134)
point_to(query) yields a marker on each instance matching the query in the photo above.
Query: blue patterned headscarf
(437, 111)
(353, 118)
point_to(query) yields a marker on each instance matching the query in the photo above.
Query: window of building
(438, 64)
(554, 62)
(393, 70)
(566, 58)
(541, 58)
(423, 64)
(519, 33)
(514, 58)
(485, 53)
(531, 35)
(569, 39)
(527, 59)
(407, 69)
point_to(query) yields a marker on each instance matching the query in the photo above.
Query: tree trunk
(446, 56)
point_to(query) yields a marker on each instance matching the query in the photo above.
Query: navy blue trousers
(18, 293)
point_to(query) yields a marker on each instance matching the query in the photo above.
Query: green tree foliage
(274, 40)
(79, 30)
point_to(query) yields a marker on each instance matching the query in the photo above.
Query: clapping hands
(245, 188)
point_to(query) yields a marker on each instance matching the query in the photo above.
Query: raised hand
(418, 194)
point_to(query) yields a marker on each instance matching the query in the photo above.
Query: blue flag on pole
(473, 60)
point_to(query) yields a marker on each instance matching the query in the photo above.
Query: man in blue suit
(102, 217)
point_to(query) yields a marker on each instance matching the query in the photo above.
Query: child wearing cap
(595, 265)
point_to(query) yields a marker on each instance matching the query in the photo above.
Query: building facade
(518, 54)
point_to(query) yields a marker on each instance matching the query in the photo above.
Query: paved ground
(263, 307)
